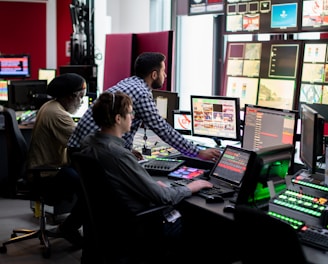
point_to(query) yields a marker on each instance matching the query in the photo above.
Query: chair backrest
(261, 238)
(16, 152)
(107, 219)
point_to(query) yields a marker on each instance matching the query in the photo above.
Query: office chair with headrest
(21, 187)
(261, 238)
(134, 238)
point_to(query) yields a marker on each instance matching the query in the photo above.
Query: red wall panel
(122, 49)
(64, 31)
(118, 58)
(23, 30)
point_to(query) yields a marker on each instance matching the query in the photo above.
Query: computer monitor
(216, 117)
(27, 94)
(312, 142)
(166, 102)
(271, 164)
(15, 66)
(3, 92)
(88, 100)
(266, 127)
(182, 121)
(47, 74)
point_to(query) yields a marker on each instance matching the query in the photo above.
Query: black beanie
(65, 84)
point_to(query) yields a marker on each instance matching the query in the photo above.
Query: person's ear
(154, 75)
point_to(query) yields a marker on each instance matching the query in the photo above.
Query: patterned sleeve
(148, 112)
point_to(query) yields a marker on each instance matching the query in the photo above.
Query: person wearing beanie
(52, 129)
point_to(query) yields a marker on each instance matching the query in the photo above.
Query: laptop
(230, 170)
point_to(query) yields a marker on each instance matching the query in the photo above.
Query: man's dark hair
(147, 62)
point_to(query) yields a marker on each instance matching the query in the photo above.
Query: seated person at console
(48, 147)
(149, 74)
(137, 190)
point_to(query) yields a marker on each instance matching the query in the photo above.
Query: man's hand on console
(209, 154)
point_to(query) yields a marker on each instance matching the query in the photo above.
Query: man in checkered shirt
(149, 74)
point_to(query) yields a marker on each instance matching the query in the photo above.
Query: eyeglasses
(132, 113)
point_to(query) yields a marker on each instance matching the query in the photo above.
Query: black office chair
(133, 238)
(261, 238)
(20, 187)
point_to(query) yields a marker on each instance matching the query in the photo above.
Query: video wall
(278, 74)
(263, 73)
(275, 16)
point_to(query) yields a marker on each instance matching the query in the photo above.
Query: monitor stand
(217, 141)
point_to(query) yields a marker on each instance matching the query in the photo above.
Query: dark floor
(18, 214)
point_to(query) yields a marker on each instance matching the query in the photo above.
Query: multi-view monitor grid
(275, 16)
(263, 73)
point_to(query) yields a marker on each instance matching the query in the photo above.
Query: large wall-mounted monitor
(314, 77)
(15, 66)
(314, 15)
(27, 94)
(268, 16)
(312, 133)
(264, 73)
(166, 102)
(215, 117)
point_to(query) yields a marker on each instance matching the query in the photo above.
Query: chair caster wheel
(3, 249)
(46, 253)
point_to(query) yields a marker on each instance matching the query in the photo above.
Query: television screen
(284, 15)
(182, 121)
(311, 145)
(166, 102)
(215, 117)
(244, 88)
(276, 93)
(314, 15)
(47, 74)
(15, 66)
(27, 94)
(3, 92)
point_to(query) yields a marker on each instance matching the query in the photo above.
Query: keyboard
(205, 193)
(314, 237)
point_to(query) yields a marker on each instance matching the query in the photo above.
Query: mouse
(229, 208)
(214, 199)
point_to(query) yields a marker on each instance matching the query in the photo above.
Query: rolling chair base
(42, 234)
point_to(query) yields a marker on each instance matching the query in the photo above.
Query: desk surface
(215, 210)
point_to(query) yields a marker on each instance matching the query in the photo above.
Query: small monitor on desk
(27, 94)
(182, 121)
(216, 117)
(166, 102)
(47, 74)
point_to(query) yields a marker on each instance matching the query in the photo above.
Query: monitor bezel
(237, 121)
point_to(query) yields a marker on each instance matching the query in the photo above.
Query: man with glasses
(149, 74)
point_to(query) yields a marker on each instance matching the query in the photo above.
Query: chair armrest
(153, 210)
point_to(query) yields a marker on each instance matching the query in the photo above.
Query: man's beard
(156, 84)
